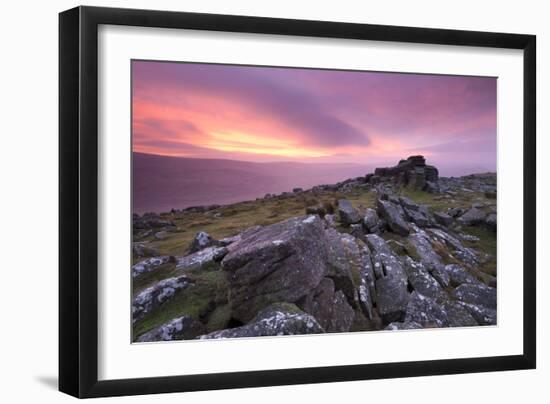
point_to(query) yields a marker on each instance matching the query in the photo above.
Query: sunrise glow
(276, 114)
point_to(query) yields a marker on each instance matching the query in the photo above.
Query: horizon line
(248, 161)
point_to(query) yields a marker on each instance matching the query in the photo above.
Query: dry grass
(198, 301)
(229, 220)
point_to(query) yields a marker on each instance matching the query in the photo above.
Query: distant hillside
(161, 183)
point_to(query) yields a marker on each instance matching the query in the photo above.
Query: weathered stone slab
(202, 240)
(179, 328)
(472, 217)
(367, 288)
(426, 311)
(409, 325)
(443, 218)
(370, 221)
(344, 259)
(282, 262)
(459, 275)
(422, 281)
(392, 298)
(277, 319)
(154, 296)
(329, 307)
(348, 214)
(150, 264)
(477, 294)
(207, 258)
(391, 213)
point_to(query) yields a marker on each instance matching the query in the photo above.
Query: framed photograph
(251, 201)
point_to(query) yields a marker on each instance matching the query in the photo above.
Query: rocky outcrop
(343, 260)
(425, 311)
(482, 314)
(154, 296)
(430, 312)
(455, 212)
(393, 215)
(406, 325)
(419, 217)
(150, 264)
(179, 328)
(277, 319)
(483, 183)
(454, 246)
(422, 281)
(443, 218)
(412, 172)
(202, 240)
(423, 248)
(392, 298)
(392, 294)
(458, 275)
(206, 258)
(367, 283)
(476, 294)
(371, 222)
(348, 214)
(282, 262)
(472, 217)
(385, 262)
(458, 315)
(329, 307)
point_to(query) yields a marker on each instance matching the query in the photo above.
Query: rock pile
(412, 172)
(486, 183)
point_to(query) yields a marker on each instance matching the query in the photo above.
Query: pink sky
(279, 114)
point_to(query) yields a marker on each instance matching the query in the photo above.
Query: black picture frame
(78, 200)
